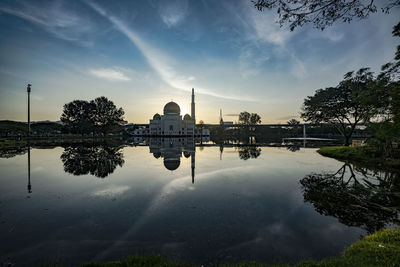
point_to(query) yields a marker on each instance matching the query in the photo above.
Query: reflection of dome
(156, 117)
(157, 155)
(186, 154)
(187, 117)
(171, 164)
(172, 108)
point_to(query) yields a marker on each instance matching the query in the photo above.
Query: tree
(293, 122)
(244, 118)
(321, 13)
(101, 114)
(392, 69)
(76, 116)
(255, 119)
(344, 106)
(106, 115)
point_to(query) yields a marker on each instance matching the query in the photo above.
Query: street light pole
(28, 89)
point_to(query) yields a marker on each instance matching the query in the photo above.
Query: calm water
(198, 204)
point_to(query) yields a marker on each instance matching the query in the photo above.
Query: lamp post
(28, 89)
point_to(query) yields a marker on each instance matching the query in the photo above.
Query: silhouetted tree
(392, 69)
(344, 106)
(76, 116)
(322, 13)
(100, 114)
(293, 122)
(367, 202)
(106, 115)
(244, 118)
(99, 160)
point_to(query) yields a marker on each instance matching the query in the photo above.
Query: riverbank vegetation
(379, 249)
(364, 155)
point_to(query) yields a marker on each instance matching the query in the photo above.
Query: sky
(143, 54)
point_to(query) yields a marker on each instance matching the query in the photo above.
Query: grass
(379, 249)
(10, 144)
(360, 156)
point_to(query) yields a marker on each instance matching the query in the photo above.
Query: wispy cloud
(266, 29)
(172, 12)
(298, 69)
(111, 74)
(159, 61)
(112, 191)
(55, 19)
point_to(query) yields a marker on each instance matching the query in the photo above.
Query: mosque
(171, 122)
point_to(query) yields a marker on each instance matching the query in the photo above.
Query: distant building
(228, 122)
(171, 122)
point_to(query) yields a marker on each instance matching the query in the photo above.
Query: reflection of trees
(293, 147)
(12, 152)
(248, 152)
(99, 160)
(355, 197)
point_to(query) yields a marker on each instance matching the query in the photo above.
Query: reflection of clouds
(111, 191)
(162, 197)
(37, 169)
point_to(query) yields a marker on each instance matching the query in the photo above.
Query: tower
(193, 108)
(28, 89)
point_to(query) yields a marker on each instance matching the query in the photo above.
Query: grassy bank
(360, 156)
(379, 249)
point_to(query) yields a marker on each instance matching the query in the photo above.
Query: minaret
(193, 160)
(193, 111)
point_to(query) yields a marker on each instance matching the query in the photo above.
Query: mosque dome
(172, 108)
(157, 155)
(171, 164)
(187, 117)
(156, 117)
(186, 154)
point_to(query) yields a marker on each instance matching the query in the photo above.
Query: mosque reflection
(171, 150)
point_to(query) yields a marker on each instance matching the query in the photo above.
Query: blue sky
(142, 54)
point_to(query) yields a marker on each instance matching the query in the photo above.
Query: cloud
(172, 12)
(298, 69)
(159, 61)
(289, 117)
(111, 191)
(111, 74)
(55, 19)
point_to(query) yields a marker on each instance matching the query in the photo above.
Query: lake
(79, 203)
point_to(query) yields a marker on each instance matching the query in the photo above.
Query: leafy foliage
(344, 106)
(98, 115)
(321, 13)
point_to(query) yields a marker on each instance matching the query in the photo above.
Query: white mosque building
(171, 122)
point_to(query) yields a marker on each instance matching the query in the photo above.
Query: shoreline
(361, 157)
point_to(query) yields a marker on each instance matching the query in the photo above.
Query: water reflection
(29, 169)
(9, 153)
(356, 196)
(247, 152)
(98, 160)
(171, 149)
